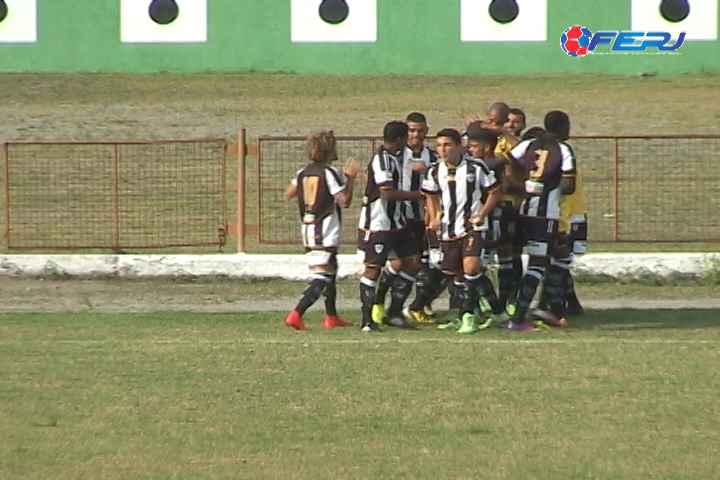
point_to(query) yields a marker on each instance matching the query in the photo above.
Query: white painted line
(373, 341)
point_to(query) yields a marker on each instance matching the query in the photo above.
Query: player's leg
(403, 243)
(373, 246)
(478, 285)
(555, 285)
(578, 233)
(437, 280)
(540, 234)
(427, 279)
(506, 229)
(332, 319)
(322, 276)
(452, 266)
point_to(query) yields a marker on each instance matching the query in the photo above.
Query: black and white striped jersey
(377, 214)
(411, 180)
(545, 161)
(463, 189)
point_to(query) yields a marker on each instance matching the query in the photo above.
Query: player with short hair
(383, 232)
(573, 230)
(461, 195)
(516, 121)
(550, 167)
(413, 162)
(321, 190)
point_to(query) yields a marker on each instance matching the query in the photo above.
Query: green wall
(414, 37)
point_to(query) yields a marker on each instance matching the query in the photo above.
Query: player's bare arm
(351, 170)
(390, 194)
(291, 192)
(432, 207)
(492, 199)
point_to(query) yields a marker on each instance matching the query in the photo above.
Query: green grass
(621, 395)
(655, 198)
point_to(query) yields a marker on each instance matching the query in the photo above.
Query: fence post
(114, 193)
(258, 188)
(241, 188)
(616, 190)
(6, 194)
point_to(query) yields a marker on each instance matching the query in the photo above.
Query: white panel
(360, 26)
(700, 24)
(190, 26)
(20, 24)
(476, 24)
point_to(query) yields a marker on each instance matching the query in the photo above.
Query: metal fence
(103, 195)
(637, 188)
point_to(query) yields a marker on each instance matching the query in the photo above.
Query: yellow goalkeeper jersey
(503, 147)
(571, 206)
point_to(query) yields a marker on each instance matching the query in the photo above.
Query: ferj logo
(579, 41)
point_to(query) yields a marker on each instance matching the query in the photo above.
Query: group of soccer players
(437, 219)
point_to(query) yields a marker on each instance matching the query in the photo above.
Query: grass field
(121, 107)
(620, 395)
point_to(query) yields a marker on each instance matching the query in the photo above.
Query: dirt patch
(31, 295)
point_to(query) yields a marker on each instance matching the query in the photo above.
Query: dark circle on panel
(504, 11)
(674, 10)
(333, 11)
(3, 10)
(163, 12)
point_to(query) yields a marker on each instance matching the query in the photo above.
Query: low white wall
(293, 267)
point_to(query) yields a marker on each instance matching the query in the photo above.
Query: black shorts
(505, 226)
(417, 229)
(377, 246)
(454, 251)
(540, 235)
(578, 235)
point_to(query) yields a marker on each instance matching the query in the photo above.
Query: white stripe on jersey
(406, 179)
(461, 193)
(331, 232)
(384, 215)
(531, 204)
(331, 225)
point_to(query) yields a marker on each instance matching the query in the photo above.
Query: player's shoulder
(567, 149)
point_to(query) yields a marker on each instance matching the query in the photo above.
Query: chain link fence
(637, 188)
(114, 195)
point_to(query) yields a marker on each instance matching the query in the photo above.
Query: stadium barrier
(637, 188)
(157, 194)
(114, 195)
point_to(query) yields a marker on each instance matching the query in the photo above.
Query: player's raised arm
(344, 196)
(292, 190)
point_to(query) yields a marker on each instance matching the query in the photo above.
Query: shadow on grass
(630, 319)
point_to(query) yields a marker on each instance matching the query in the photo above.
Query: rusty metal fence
(637, 188)
(104, 195)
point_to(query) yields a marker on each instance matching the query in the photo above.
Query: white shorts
(319, 257)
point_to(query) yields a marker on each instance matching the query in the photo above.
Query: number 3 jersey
(463, 190)
(319, 213)
(545, 162)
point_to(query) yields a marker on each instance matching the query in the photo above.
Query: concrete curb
(601, 266)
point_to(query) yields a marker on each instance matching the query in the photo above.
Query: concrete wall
(388, 36)
(621, 267)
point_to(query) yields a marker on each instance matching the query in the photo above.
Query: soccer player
(573, 229)
(412, 163)
(461, 195)
(516, 122)
(321, 190)
(551, 173)
(383, 232)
